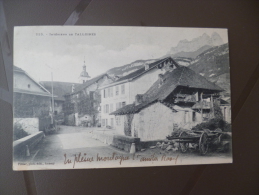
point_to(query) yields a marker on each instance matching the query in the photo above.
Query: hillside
(213, 64)
(199, 54)
(196, 43)
(191, 54)
(129, 68)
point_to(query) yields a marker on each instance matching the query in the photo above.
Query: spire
(84, 66)
(84, 76)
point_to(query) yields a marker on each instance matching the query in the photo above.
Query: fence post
(27, 151)
(132, 148)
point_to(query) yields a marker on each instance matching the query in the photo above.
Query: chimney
(161, 78)
(146, 66)
(138, 99)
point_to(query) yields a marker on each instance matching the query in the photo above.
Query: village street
(70, 141)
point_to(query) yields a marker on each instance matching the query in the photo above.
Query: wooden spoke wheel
(183, 147)
(204, 143)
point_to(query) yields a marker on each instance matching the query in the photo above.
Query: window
(185, 116)
(118, 121)
(194, 116)
(123, 89)
(106, 122)
(117, 90)
(55, 112)
(104, 110)
(29, 86)
(120, 105)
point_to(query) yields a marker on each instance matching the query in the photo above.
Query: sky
(40, 50)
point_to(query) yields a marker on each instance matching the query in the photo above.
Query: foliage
(217, 111)
(85, 106)
(213, 124)
(29, 106)
(18, 132)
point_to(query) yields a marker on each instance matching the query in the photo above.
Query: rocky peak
(197, 43)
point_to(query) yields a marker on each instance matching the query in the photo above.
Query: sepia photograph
(111, 97)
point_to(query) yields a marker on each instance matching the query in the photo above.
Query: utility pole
(52, 99)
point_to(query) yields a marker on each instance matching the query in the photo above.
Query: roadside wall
(30, 125)
(22, 147)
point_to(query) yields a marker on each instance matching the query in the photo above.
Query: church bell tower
(84, 76)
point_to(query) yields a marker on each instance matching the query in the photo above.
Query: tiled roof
(88, 83)
(16, 90)
(142, 70)
(181, 76)
(17, 69)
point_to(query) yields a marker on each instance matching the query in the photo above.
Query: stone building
(122, 92)
(32, 102)
(59, 90)
(82, 105)
(167, 104)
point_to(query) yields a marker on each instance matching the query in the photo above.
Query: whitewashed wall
(143, 83)
(226, 111)
(113, 100)
(120, 128)
(153, 122)
(157, 121)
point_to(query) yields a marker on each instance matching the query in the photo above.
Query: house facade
(123, 91)
(82, 105)
(32, 102)
(31, 99)
(59, 90)
(170, 103)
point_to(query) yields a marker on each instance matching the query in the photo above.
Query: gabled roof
(59, 88)
(17, 69)
(88, 83)
(16, 90)
(142, 71)
(181, 76)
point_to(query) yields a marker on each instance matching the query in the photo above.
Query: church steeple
(84, 66)
(84, 76)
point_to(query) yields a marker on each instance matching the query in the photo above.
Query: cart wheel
(183, 147)
(203, 143)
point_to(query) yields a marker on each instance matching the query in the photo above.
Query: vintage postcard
(103, 97)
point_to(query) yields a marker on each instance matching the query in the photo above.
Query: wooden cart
(203, 139)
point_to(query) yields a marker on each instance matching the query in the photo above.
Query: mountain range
(206, 55)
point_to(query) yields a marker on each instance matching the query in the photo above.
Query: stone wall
(30, 106)
(158, 121)
(22, 147)
(29, 125)
(125, 142)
